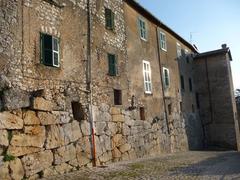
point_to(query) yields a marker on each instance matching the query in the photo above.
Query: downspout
(89, 81)
(161, 75)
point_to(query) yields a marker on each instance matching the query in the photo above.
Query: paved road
(180, 166)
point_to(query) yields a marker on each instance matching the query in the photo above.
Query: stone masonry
(41, 132)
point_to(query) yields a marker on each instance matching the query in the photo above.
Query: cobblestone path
(183, 166)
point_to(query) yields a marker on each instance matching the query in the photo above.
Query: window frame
(163, 41)
(109, 17)
(164, 77)
(182, 83)
(179, 50)
(114, 64)
(147, 72)
(54, 51)
(142, 31)
(117, 99)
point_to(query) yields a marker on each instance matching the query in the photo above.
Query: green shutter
(109, 18)
(112, 68)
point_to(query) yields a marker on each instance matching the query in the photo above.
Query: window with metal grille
(109, 19)
(49, 50)
(117, 97)
(112, 65)
(147, 77)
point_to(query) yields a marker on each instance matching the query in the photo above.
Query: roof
(215, 52)
(156, 21)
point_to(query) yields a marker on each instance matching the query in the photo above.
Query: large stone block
(42, 104)
(47, 118)
(118, 140)
(4, 171)
(115, 111)
(82, 158)
(21, 151)
(30, 118)
(4, 138)
(55, 137)
(37, 162)
(106, 157)
(63, 168)
(100, 128)
(64, 154)
(118, 118)
(10, 121)
(15, 99)
(34, 137)
(116, 153)
(62, 116)
(72, 132)
(16, 168)
(85, 127)
(124, 148)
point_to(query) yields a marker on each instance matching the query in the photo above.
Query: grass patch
(8, 157)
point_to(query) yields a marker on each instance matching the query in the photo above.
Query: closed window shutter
(112, 65)
(109, 16)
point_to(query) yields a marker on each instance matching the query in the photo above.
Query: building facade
(86, 83)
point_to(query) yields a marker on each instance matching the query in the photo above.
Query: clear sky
(211, 22)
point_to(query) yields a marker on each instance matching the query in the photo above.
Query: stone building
(90, 82)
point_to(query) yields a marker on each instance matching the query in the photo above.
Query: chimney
(224, 46)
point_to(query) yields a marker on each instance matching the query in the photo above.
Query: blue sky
(211, 22)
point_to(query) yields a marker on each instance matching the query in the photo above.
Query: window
(142, 28)
(169, 109)
(166, 78)
(78, 111)
(190, 84)
(109, 19)
(197, 100)
(181, 107)
(182, 82)
(163, 41)
(142, 113)
(117, 97)
(179, 50)
(112, 65)
(147, 77)
(49, 50)
(193, 109)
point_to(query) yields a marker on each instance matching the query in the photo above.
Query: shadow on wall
(214, 166)
(194, 132)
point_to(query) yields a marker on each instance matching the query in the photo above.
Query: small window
(179, 50)
(181, 107)
(142, 28)
(117, 97)
(112, 65)
(49, 50)
(166, 77)
(109, 18)
(193, 109)
(169, 109)
(147, 77)
(163, 41)
(78, 111)
(182, 82)
(197, 100)
(190, 84)
(142, 113)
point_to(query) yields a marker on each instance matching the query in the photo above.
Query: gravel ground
(209, 165)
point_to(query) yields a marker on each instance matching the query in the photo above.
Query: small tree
(237, 96)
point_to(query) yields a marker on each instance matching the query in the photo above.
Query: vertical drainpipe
(161, 75)
(89, 81)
